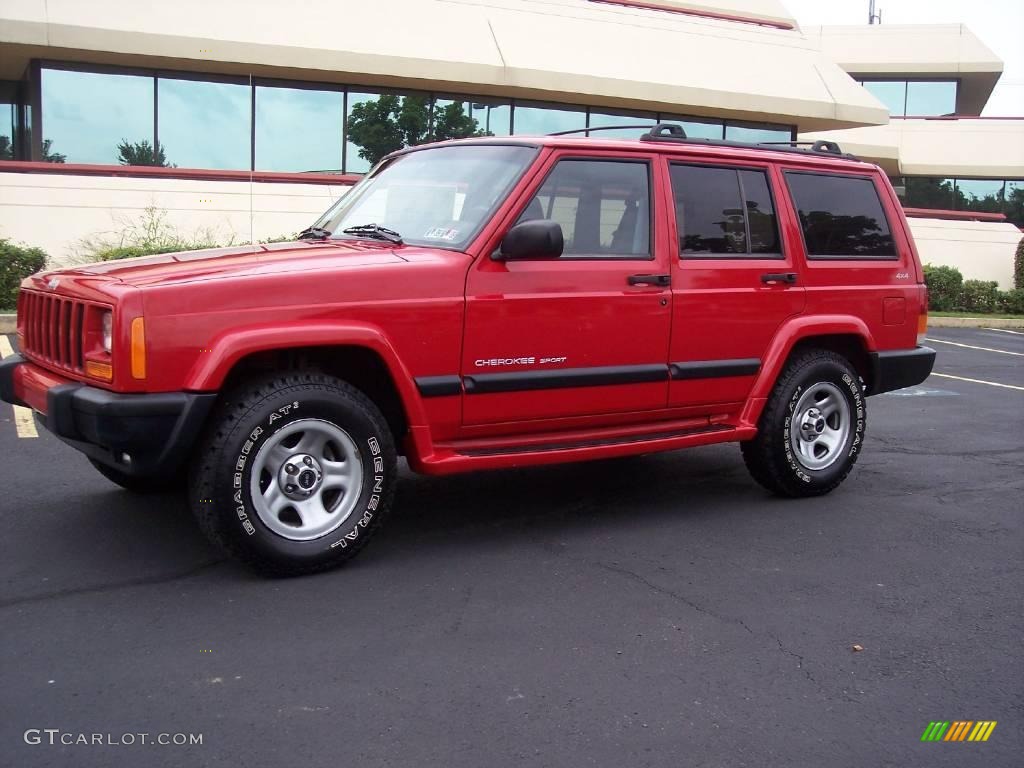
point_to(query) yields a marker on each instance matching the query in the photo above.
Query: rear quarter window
(841, 217)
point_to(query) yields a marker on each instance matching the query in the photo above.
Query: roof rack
(670, 132)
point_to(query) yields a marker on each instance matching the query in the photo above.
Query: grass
(991, 315)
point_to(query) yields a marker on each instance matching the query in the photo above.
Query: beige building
(231, 121)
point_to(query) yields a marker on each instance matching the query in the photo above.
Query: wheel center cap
(300, 476)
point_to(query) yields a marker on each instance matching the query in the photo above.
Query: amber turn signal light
(138, 348)
(99, 370)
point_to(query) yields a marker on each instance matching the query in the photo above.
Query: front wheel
(296, 473)
(812, 428)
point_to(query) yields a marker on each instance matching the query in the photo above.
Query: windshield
(437, 197)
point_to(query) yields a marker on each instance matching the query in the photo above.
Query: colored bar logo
(958, 730)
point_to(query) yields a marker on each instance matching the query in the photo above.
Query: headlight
(108, 331)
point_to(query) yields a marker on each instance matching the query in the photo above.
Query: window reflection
(893, 94)
(923, 192)
(931, 97)
(598, 119)
(698, 129)
(493, 117)
(86, 116)
(283, 115)
(7, 117)
(841, 216)
(205, 124)
(979, 195)
(538, 121)
(1013, 205)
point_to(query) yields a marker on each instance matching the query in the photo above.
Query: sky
(998, 23)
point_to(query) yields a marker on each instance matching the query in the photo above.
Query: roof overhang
(572, 51)
(916, 51)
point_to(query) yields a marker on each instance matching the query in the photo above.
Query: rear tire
(295, 474)
(141, 485)
(812, 428)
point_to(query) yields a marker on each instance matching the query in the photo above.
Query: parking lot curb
(7, 323)
(975, 322)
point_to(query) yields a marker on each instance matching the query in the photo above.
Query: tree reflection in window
(841, 216)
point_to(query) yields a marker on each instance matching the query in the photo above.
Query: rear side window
(724, 212)
(841, 217)
(603, 207)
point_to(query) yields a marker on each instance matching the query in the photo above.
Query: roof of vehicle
(818, 154)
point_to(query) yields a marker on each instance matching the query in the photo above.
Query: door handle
(779, 277)
(659, 280)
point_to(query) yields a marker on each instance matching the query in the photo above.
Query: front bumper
(900, 368)
(140, 435)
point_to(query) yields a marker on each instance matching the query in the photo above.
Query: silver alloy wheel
(306, 479)
(820, 426)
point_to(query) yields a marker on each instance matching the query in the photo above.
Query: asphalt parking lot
(659, 610)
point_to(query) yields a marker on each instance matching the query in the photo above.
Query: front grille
(53, 329)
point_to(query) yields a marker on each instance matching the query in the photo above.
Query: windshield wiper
(375, 231)
(314, 233)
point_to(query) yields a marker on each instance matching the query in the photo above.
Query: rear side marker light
(99, 370)
(138, 348)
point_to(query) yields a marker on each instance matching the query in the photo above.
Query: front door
(584, 335)
(735, 282)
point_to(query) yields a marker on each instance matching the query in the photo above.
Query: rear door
(584, 335)
(735, 281)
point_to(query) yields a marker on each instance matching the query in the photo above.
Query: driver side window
(603, 207)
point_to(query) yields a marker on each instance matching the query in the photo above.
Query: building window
(915, 98)
(603, 207)
(298, 129)
(494, 118)
(596, 119)
(979, 195)
(8, 121)
(91, 117)
(757, 134)
(841, 217)
(1004, 196)
(205, 124)
(542, 120)
(723, 212)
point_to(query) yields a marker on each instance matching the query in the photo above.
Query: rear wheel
(296, 473)
(812, 429)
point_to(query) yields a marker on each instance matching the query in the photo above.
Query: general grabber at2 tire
(812, 428)
(295, 474)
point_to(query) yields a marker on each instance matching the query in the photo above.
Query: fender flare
(227, 349)
(786, 337)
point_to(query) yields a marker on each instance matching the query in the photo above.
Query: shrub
(16, 263)
(979, 296)
(1018, 266)
(131, 251)
(149, 234)
(945, 285)
(1012, 302)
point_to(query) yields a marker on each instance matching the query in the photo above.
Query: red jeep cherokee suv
(489, 303)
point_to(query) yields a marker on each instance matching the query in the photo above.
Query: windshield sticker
(440, 233)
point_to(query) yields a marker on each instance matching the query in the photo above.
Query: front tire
(812, 428)
(295, 475)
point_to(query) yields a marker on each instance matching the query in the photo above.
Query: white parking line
(978, 381)
(971, 346)
(1006, 330)
(23, 421)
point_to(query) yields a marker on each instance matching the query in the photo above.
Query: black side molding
(715, 369)
(479, 384)
(900, 368)
(439, 386)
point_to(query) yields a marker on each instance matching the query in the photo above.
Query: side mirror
(537, 239)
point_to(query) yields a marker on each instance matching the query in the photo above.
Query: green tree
(141, 153)
(6, 149)
(52, 157)
(392, 122)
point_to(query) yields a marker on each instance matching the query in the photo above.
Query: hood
(240, 261)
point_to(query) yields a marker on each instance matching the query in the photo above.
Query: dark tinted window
(602, 206)
(724, 211)
(841, 216)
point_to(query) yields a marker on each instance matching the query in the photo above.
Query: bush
(1018, 266)
(945, 285)
(16, 263)
(1012, 302)
(979, 296)
(131, 251)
